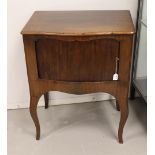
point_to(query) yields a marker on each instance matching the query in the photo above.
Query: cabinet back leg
(33, 111)
(46, 98)
(132, 91)
(117, 106)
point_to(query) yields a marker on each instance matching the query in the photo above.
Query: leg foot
(46, 98)
(33, 111)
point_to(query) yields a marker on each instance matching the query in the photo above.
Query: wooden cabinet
(79, 52)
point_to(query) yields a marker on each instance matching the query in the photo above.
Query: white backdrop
(19, 11)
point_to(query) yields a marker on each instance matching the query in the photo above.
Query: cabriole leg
(33, 111)
(123, 103)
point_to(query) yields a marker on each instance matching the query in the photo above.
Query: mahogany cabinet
(79, 52)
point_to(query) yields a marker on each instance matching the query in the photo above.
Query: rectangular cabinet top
(79, 23)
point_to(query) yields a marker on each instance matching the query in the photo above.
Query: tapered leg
(33, 111)
(117, 106)
(123, 103)
(46, 98)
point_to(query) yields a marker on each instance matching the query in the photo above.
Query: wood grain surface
(77, 61)
(79, 23)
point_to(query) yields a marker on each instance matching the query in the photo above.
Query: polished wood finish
(77, 23)
(70, 60)
(75, 52)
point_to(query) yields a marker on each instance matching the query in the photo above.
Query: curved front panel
(87, 61)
